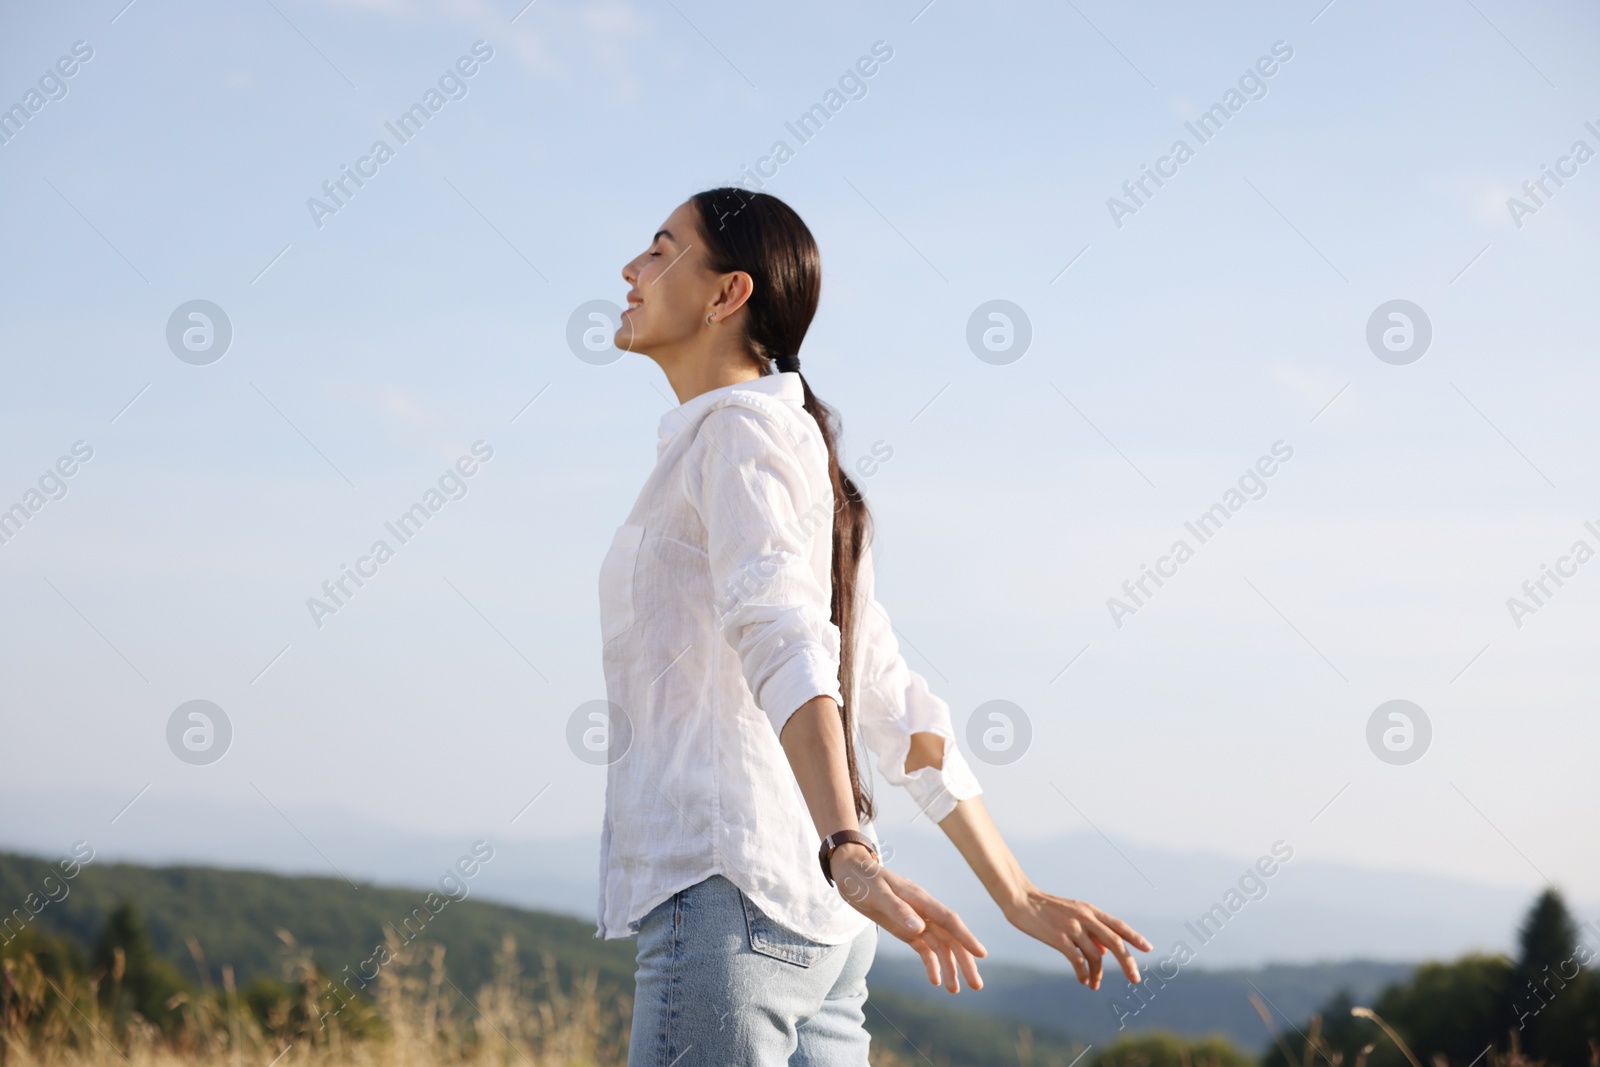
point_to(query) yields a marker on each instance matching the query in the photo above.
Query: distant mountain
(1196, 1002)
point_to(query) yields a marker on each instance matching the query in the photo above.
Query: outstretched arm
(910, 731)
(1080, 931)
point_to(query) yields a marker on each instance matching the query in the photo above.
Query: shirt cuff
(936, 790)
(811, 673)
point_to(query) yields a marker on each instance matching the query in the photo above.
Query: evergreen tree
(1548, 937)
(1551, 992)
(136, 979)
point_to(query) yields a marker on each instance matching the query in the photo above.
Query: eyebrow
(664, 233)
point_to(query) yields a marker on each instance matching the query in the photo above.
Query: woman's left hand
(1080, 931)
(910, 913)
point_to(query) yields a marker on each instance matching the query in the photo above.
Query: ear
(736, 288)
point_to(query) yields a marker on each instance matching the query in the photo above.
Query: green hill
(234, 916)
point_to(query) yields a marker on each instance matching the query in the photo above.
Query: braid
(761, 235)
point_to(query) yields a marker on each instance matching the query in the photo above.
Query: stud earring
(709, 319)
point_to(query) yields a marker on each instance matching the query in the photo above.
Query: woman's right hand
(1079, 931)
(910, 913)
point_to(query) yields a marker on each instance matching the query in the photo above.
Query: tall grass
(416, 1017)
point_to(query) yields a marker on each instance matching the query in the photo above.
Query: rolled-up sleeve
(895, 702)
(768, 569)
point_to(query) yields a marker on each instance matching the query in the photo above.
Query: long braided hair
(761, 235)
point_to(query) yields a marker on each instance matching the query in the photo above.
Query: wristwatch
(842, 837)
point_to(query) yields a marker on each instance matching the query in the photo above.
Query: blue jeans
(721, 985)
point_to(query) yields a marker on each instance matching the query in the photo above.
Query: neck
(696, 372)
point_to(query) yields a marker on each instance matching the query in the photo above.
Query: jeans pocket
(771, 938)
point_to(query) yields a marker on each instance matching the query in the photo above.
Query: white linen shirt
(714, 612)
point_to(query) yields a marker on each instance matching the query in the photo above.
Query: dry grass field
(416, 1017)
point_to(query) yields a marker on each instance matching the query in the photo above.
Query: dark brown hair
(762, 236)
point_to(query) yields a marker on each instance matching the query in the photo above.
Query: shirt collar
(784, 385)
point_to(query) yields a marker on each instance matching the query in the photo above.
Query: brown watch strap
(842, 837)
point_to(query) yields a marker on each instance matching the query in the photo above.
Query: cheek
(665, 300)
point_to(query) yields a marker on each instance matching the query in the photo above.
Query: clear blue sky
(1169, 353)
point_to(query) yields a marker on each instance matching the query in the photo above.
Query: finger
(1091, 952)
(930, 961)
(953, 926)
(1101, 933)
(952, 977)
(969, 967)
(1080, 967)
(1104, 937)
(1128, 933)
(934, 911)
(936, 945)
(894, 914)
(947, 958)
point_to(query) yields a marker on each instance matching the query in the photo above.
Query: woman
(737, 610)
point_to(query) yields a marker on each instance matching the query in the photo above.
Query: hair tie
(787, 364)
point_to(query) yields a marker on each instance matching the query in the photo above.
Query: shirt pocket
(771, 938)
(616, 581)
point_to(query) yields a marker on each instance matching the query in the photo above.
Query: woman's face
(671, 292)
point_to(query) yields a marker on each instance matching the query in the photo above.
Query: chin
(625, 338)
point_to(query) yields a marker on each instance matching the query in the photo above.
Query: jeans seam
(674, 973)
